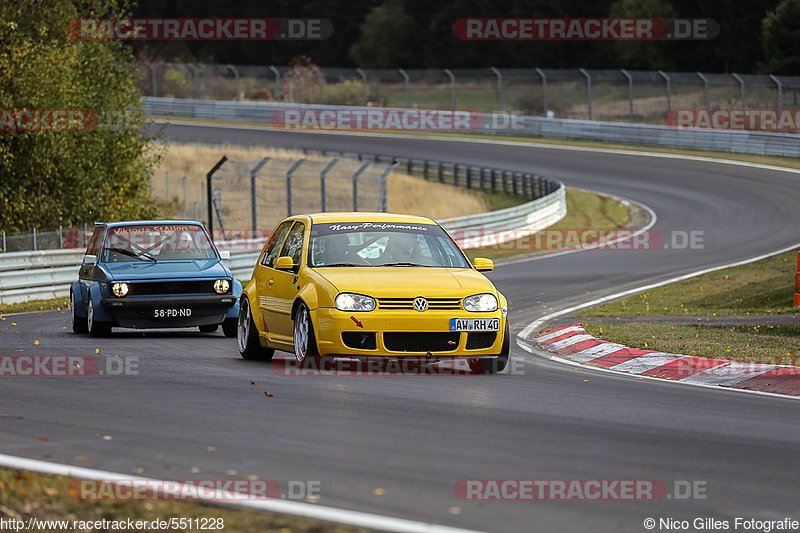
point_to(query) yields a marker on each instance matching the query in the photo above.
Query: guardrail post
(439, 174)
(4, 242)
(289, 185)
(469, 177)
(209, 194)
(780, 92)
(452, 89)
(455, 174)
(741, 86)
(425, 168)
(705, 84)
(253, 173)
(322, 176)
(494, 181)
(514, 183)
(383, 200)
(544, 89)
(60, 238)
(355, 184)
(236, 75)
(406, 83)
(588, 90)
(669, 90)
(363, 83)
(277, 74)
(409, 166)
(630, 92)
(499, 89)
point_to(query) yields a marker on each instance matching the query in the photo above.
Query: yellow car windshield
(381, 244)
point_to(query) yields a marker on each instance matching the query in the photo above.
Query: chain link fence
(607, 95)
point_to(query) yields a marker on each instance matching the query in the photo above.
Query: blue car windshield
(382, 244)
(165, 242)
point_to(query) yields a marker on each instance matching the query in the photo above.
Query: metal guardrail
(750, 142)
(25, 278)
(508, 224)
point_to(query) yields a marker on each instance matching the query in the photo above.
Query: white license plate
(172, 312)
(474, 324)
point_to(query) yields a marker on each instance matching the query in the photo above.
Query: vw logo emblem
(420, 304)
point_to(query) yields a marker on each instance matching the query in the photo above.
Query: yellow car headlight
(119, 289)
(221, 286)
(347, 301)
(480, 302)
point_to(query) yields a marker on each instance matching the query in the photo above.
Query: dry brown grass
(406, 194)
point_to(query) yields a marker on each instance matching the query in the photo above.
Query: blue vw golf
(154, 274)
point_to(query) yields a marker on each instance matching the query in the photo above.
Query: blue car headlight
(119, 289)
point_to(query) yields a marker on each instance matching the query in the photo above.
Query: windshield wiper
(339, 265)
(130, 253)
(401, 264)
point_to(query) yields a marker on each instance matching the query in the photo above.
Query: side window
(274, 243)
(94, 242)
(293, 247)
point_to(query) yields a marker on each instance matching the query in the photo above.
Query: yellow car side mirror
(482, 264)
(284, 263)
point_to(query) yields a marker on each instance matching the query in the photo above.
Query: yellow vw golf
(371, 285)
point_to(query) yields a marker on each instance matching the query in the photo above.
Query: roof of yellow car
(368, 217)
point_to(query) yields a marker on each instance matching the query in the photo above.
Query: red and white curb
(573, 344)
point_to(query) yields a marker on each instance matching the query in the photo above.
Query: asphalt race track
(415, 437)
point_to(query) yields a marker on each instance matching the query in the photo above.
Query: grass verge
(585, 211)
(38, 305)
(26, 495)
(751, 344)
(761, 287)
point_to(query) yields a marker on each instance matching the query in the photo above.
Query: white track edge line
(308, 510)
(539, 353)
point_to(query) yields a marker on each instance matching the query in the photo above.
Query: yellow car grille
(408, 303)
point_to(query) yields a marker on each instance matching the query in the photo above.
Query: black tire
(210, 328)
(230, 327)
(78, 323)
(95, 327)
(493, 366)
(305, 343)
(247, 336)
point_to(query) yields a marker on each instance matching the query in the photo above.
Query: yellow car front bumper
(403, 333)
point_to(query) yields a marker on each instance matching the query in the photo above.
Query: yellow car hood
(407, 282)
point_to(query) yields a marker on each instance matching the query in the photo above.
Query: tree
(66, 177)
(780, 33)
(648, 55)
(383, 42)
